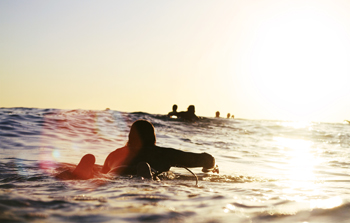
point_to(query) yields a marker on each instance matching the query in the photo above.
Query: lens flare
(67, 135)
(56, 154)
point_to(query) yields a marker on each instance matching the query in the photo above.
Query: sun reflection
(228, 208)
(300, 159)
(327, 203)
(300, 162)
(296, 125)
(299, 165)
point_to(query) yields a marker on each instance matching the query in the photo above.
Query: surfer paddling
(188, 115)
(140, 156)
(173, 112)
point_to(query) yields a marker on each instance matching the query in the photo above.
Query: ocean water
(270, 171)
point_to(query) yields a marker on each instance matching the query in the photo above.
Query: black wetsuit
(187, 116)
(161, 159)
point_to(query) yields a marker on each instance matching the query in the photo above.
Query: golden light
(299, 172)
(298, 60)
(301, 185)
(326, 203)
(295, 124)
(299, 168)
(301, 160)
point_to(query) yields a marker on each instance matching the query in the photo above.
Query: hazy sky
(263, 59)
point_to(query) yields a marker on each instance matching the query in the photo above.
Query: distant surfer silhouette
(188, 115)
(217, 114)
(140, 156)
(174, 112)
(228, 115)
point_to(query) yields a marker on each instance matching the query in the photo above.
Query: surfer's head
(190, 109)
(174, 108)
(141, 134)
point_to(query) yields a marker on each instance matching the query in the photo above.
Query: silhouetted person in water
(188, 115)
(174, 112)
(228, 115)
(140, 156)
(217, 114)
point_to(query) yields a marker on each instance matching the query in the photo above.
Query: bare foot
(84, 169)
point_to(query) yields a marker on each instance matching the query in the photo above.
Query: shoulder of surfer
(114, 159)
(120, 150)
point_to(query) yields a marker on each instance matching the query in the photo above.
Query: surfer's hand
(214, 170)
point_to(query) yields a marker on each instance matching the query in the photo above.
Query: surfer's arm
(105, 169)
(115, 159)
(110, 160)
(178, 158)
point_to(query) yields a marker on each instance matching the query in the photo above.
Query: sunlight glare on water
(326, 203)
(270, 171)
(296, 124)
(300, 158)
(299, 167)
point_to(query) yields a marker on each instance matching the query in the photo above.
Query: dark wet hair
(141, 134)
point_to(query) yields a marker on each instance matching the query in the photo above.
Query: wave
(340, 213)
(272, 171)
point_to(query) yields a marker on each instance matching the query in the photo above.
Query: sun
(297, 62)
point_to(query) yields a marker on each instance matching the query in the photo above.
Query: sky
(255, 59)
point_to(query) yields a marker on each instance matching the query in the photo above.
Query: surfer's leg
(84, 169)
